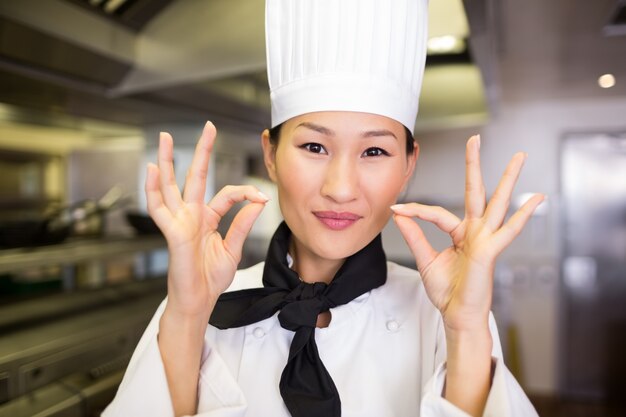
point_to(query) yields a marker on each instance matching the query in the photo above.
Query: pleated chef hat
(346, 55)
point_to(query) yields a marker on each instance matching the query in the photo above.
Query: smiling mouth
(336, 221)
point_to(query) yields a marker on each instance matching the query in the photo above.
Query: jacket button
(258, 332)
(392, 326)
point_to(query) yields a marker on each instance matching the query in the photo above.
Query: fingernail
(207, 124)
(397, 206)
(263, 196)
(478, 141)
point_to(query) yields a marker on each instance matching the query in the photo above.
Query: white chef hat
(346, 55)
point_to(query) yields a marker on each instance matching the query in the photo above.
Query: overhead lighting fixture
(447, 44)
(606, 81)
(112, 5)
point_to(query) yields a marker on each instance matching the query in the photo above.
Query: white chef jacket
(385, 351)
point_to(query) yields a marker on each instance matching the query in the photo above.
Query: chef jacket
(385, 351)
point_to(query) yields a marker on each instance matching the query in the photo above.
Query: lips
(336, 221)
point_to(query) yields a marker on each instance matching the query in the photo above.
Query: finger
(513, 227)
(439, 216)
(416, 240)
(169, 189)
(240, 228)
(474, 187)
(195, 185)
(499, 203)
(228, 196)
(156, 207)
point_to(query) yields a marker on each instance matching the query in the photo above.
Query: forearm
(181, 339)
(468, 376)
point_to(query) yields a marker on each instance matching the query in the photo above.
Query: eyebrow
(328, 132)
(320, 129)
(379, 132)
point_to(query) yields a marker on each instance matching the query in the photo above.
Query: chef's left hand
(459, 279)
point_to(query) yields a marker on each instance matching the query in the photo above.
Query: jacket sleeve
(144, 390)
(506, 398)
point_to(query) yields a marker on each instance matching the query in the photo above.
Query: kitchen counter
(77, 250)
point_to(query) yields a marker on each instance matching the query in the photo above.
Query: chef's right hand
(201, 264)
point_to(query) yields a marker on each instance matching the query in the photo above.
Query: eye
(375, 152)
(314, 148)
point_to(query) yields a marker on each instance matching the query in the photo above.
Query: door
(593, 285)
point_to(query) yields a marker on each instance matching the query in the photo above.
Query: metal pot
(90, 217)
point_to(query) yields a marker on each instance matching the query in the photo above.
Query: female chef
(326, 326)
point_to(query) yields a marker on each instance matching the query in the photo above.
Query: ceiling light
(606, 81)
(445, 45)
(112, 5)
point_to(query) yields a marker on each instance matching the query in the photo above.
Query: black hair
(410, 141)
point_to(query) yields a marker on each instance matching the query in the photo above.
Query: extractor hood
(146, 61)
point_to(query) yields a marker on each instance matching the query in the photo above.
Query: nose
(341, 182)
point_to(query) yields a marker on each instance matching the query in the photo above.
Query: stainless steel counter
(75, 251)
(70, 363)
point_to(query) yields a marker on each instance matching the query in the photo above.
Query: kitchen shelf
(76, 251)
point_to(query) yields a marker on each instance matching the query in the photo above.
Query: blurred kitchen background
(86, 85)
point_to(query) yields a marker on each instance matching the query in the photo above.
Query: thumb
(416, 240)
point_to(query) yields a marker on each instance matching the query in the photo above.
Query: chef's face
(337, 173)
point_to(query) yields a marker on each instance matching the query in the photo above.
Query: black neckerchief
(305, 385)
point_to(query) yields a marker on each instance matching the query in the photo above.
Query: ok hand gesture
(459, 279)
(202, 263)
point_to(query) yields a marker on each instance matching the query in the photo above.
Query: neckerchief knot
(302, 306)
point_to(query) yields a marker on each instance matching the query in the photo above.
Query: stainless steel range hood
(50, 69)
(186, 61)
